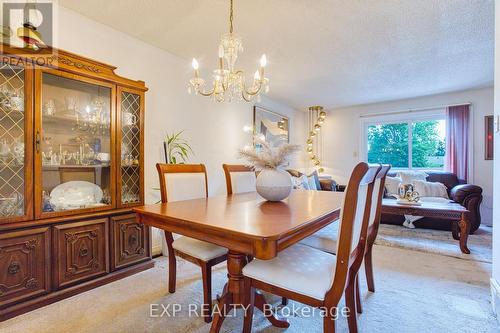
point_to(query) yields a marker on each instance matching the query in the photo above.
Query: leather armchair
(468, 195)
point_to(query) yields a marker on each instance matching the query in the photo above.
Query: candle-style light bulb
(195, 64)
(256, 76)
(263, 60)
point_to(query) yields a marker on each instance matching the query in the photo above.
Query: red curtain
(457, 140)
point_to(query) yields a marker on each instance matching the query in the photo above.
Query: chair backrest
(182, 181)
(354, 217)
(239, 178)
(378, 194)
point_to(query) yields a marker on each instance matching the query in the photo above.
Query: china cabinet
(71, 169)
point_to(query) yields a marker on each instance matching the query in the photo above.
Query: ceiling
(328, 52)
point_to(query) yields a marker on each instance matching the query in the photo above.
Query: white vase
(274, 184)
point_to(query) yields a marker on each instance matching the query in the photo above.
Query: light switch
(496, 123)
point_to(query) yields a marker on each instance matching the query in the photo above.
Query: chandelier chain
(231, 18)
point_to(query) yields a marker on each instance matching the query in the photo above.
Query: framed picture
(488, 137)
(273, 127)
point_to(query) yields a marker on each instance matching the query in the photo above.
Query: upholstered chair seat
(187, 186)
(300, 269)
(198, 249)
(324, 239)
(180, 182)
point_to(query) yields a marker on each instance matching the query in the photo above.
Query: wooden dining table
(248, 226)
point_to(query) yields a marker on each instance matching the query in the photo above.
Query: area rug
(437, 241)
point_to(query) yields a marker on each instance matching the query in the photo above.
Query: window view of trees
(389, 143)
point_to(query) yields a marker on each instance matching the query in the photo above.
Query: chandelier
(315, 139)
(228, 83)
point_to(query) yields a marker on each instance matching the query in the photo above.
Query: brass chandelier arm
(206, 94)
(245, 90)
(252, 93)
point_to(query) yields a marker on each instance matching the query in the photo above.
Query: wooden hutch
(71, 169)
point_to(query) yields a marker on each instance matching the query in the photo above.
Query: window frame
(408, 117)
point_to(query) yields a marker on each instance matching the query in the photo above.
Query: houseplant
(176, 148)
(273, 183)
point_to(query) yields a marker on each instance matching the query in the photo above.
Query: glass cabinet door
(130, 134)
(74, 144)
(15, 154)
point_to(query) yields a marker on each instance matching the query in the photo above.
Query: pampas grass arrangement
(268, 157)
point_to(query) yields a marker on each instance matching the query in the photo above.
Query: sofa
(323, 184)
(469, 196)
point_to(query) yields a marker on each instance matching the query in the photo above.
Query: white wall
(342, 136)
(214, 130)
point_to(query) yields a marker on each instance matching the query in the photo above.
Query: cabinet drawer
(80, 251)
(130, 241)
(24, 265)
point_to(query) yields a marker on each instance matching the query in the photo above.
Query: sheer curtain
(457, 140)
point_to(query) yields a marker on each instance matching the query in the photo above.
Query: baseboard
(495, 297)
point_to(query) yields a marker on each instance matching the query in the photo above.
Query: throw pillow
(313, 180)
(311, 183)
(392, 185)
(300, 183)
(408, 177)
(430, 189)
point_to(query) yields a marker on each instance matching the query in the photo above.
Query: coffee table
(452, 211)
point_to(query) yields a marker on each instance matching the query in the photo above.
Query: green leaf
(178, 149)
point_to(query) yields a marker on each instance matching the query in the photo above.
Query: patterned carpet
(415, 292)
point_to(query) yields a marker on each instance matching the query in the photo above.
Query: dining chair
(312, 276)
(242, 179)
(185, 182)
(326, 238)
(239, 178)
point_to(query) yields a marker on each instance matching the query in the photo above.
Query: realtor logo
(27, 25)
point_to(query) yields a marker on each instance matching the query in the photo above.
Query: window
(417, 143)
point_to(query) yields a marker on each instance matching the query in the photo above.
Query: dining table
(249, 227)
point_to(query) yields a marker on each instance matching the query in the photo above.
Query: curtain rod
(429, 108)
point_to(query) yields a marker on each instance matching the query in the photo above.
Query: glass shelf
(75, 144)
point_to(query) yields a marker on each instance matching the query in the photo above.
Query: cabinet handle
(83, 252)
(14, 267)
(37, 141)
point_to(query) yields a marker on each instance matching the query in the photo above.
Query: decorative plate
(75, 194)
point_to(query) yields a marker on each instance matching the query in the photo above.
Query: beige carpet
(416, 292)
(437, 241)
